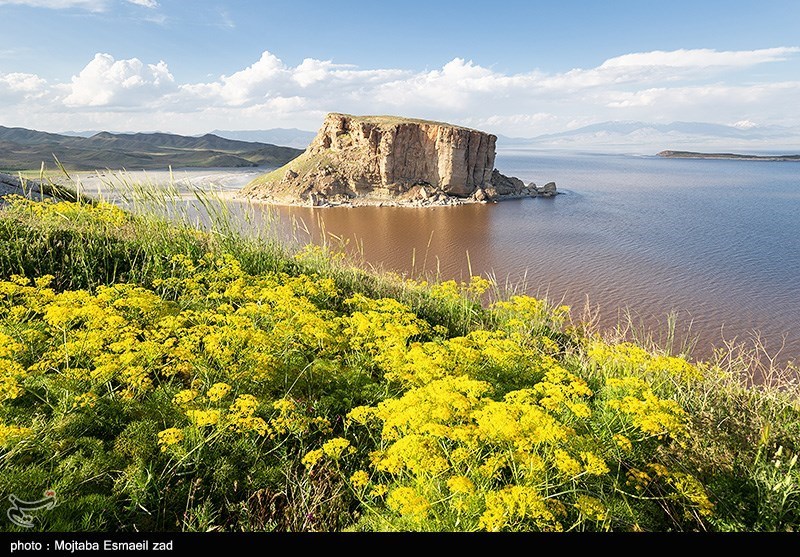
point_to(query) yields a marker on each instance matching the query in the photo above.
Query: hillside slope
(27, 149)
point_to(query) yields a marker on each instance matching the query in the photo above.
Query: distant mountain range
(647, 138)
(614, 136)
(291, 137)
(22, 149)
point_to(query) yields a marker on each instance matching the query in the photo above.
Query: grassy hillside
(25, 149)
(161, 378)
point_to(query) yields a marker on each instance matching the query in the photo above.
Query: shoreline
(227, 185)
(449, 201)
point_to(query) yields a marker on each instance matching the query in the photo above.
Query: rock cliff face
(387, 159)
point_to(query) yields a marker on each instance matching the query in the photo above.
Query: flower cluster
(210, 382)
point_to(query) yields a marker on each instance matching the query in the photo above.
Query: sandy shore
(225, 184)
(108, 185)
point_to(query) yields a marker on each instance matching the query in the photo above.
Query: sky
(517, 68)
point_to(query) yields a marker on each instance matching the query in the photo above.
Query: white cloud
(701, 85)
(312, 71)
(144, 3)
(718, 102)
(21, 86)
(251, 84)
(119, 83)
(700, 58)
(269, 77)
(745, 124)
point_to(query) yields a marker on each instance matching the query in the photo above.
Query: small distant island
(693, 155)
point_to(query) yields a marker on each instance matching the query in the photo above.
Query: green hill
(22, 149)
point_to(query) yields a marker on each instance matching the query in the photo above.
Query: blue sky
(515, 67)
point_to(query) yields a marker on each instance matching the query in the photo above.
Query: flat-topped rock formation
(360, 160)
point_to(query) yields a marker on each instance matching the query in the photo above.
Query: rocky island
(387, 160)
(734, 156)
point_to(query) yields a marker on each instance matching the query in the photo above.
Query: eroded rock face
(384, 157)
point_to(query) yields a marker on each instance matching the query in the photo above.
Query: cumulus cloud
(658, 86)
(21, 86)
(106, 82)
(269, 77)
(144, 3)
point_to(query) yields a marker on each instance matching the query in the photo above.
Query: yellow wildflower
(202, 418)
(184, 397)
(10, 374)
(623, 442)
(591, 508)
(169, 437)
(85, 400)
(9, 388)
(637, 478)
(693, 491)
(8, 346)
(515, 505)
(218, 391)
(244, 405)
(461, 484)
(362, 414)
(493, 465)
(359, 479)
(12, 433)
(460, 454)
(336, 447)
(378, 490)
(284, 405)
(479, 285)
(418, 454)
(312, 458)
(677, 367)
(659, 469)
(593, 464)
(407, 502)
(651, 414)
(565, 464)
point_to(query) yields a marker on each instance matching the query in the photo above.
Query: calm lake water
(716, 241)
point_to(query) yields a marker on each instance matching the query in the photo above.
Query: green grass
(302, 165)
(390, 121)
(160, 377)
